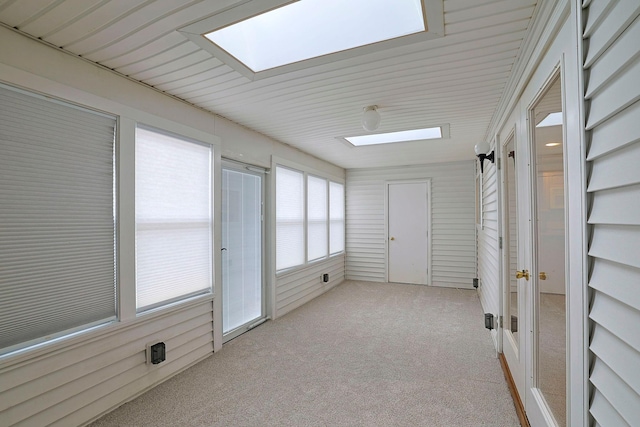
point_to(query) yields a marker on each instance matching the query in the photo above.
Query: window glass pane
(289, 218)
(336, 207)
(316, 218)
(173, 219)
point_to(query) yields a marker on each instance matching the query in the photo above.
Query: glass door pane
(242, 284)
(549, 280)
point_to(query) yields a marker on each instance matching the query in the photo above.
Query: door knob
(542, 275)
(521, 274)
(393, 238)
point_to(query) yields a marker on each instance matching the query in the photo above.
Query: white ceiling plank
(14, 14)
(145, 52)
(62, 14)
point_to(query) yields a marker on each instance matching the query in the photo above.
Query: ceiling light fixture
(552, 144)
(482, 152)
(371, 118)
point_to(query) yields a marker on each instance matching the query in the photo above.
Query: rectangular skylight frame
(312, 28)
(411, 135)
(432, 11)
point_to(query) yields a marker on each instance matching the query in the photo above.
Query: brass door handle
(521, 274)
(393, 238)
(542, 275)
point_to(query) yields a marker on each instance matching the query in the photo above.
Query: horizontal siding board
(629, 197)
(619, 281)
(619, 243)
(616, 169)
(615, 133)
(622, 398)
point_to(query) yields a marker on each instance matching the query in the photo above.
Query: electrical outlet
(325, 278)
(156, 353)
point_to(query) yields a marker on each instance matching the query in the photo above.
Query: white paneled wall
(612, 67)
(488, 263)
(453, 234)
(75, 383)
(298, 287)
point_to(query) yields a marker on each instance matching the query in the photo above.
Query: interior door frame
(427, 181)
(233, 165)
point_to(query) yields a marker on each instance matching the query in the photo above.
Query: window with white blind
(57, 220)
(308, 222)
(289, 218)
(336, 218)
(174, 221)
(317, 236)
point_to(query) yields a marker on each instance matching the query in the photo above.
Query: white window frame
(306, 171)
(214, 169)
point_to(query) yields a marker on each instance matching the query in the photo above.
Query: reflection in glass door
(242, 277)
(549, 256)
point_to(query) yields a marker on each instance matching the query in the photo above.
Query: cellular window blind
(289, 218)
(174, 218)
(57, 224)
(317, 236)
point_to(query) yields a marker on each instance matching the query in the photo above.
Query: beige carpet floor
(362, 354)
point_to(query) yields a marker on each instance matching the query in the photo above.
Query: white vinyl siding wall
(488, 246)
(453, 234)
(612, 71)
(78, 382)
(298, 287)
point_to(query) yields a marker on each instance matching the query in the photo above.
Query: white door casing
(408, 237)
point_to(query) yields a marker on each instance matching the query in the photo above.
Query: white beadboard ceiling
(456, 79)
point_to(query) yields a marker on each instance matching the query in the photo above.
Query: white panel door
(408, 226)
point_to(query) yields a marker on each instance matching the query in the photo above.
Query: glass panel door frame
(229, 165)
(513, 253)
(537, 407)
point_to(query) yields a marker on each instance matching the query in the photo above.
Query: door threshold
(522, 415)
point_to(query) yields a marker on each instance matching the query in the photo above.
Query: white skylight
(553, 119)
(402, 136)
(311, 28)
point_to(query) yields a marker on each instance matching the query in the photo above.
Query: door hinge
(500, 322)
(499, 163)
(500, 242)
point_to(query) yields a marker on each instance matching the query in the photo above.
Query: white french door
(243, 302)
(534, 250)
